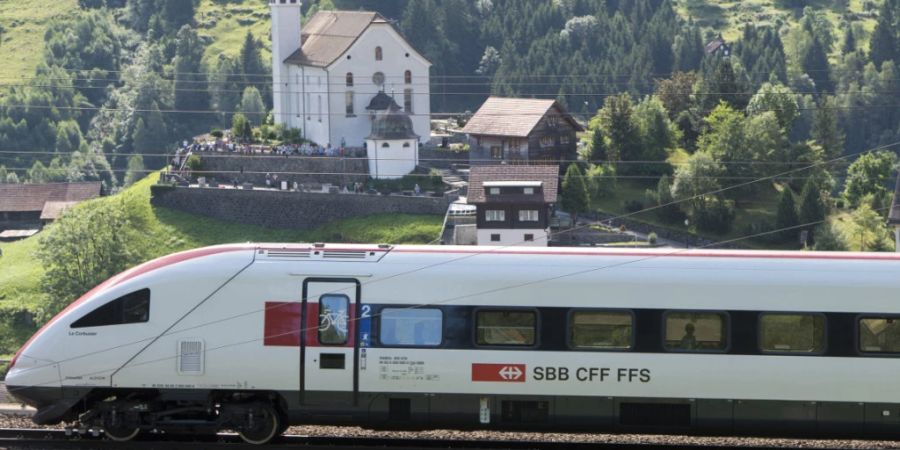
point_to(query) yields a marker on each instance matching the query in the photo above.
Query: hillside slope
(22, 41)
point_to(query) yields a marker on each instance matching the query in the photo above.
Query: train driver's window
(695, 331)
(129, 308)
(333, 319)
(792, 333)
(601, 330)
(419, 327)
(506, 327)
(879, 334)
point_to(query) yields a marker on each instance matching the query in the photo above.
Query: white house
(327, 72)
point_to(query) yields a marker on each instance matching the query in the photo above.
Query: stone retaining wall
(290, 210)
(227, 167)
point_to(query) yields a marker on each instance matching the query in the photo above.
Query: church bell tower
(286, 40)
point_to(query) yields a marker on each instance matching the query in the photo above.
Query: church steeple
(286, 18)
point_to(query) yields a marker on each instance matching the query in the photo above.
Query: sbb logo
(509, 373)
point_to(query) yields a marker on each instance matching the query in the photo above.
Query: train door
(329, 345)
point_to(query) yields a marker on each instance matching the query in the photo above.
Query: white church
(331, 78)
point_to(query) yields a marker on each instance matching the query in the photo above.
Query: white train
(258, 337)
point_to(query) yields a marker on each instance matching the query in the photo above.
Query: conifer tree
(786, 216)
(849, 45)
(812, 208)
(883, 46)
(575, 195)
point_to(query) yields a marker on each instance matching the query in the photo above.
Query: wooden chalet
(519, 130)
(513, 203)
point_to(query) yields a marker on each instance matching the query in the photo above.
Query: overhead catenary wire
(489, 251)
(237, 155)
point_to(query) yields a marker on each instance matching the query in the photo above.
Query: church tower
(286, 40)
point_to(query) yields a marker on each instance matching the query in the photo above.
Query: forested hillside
(794, 82)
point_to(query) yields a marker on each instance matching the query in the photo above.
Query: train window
(601, 330)
(506, 327)
(695, 331)
(129, 308)
(792, 333)
(879, 334)
(411, 326)
(333, 319)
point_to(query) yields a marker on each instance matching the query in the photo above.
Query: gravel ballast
(10, 421)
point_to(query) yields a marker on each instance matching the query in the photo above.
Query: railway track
(13, 439)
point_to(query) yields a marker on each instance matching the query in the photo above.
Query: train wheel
(121, 434)
(262, 424)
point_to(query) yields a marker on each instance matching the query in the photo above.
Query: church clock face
(378, 79)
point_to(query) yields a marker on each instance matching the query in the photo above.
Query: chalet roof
(546, 174)
(894, 217)
(329, 34)
(52, 210)
(514, 117)
(33, 197)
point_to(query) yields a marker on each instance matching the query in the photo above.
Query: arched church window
(349, 79)
(386, 145)
(407, 77)
(378, 54)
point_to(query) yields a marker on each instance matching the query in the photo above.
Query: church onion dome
(382, 102)
(392, 125)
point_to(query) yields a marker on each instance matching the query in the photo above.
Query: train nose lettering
(510, 373)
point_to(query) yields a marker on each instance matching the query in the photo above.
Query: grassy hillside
(22, 42)
(224, 23)
(729, 16)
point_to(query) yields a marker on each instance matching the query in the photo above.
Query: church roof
(392, 125)
(382, 102)
(516, 117)
(329, 34)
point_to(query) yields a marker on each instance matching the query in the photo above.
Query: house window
(495, 215)
(406, 145)
(547, 141)
(496, 152)
(529, 238)
(385, 145)
(528, 191)
(528, 215)
(495, 238)
(564, 140)
(407, 77)
(494, 191)
(349, 79)
(552, 121)
(349, 100)
(378, 54)
(408, 100)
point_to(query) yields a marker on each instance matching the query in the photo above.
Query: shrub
(194, 163)
(217, 133)
(714, 215)
(633, 206)
(652, 238)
